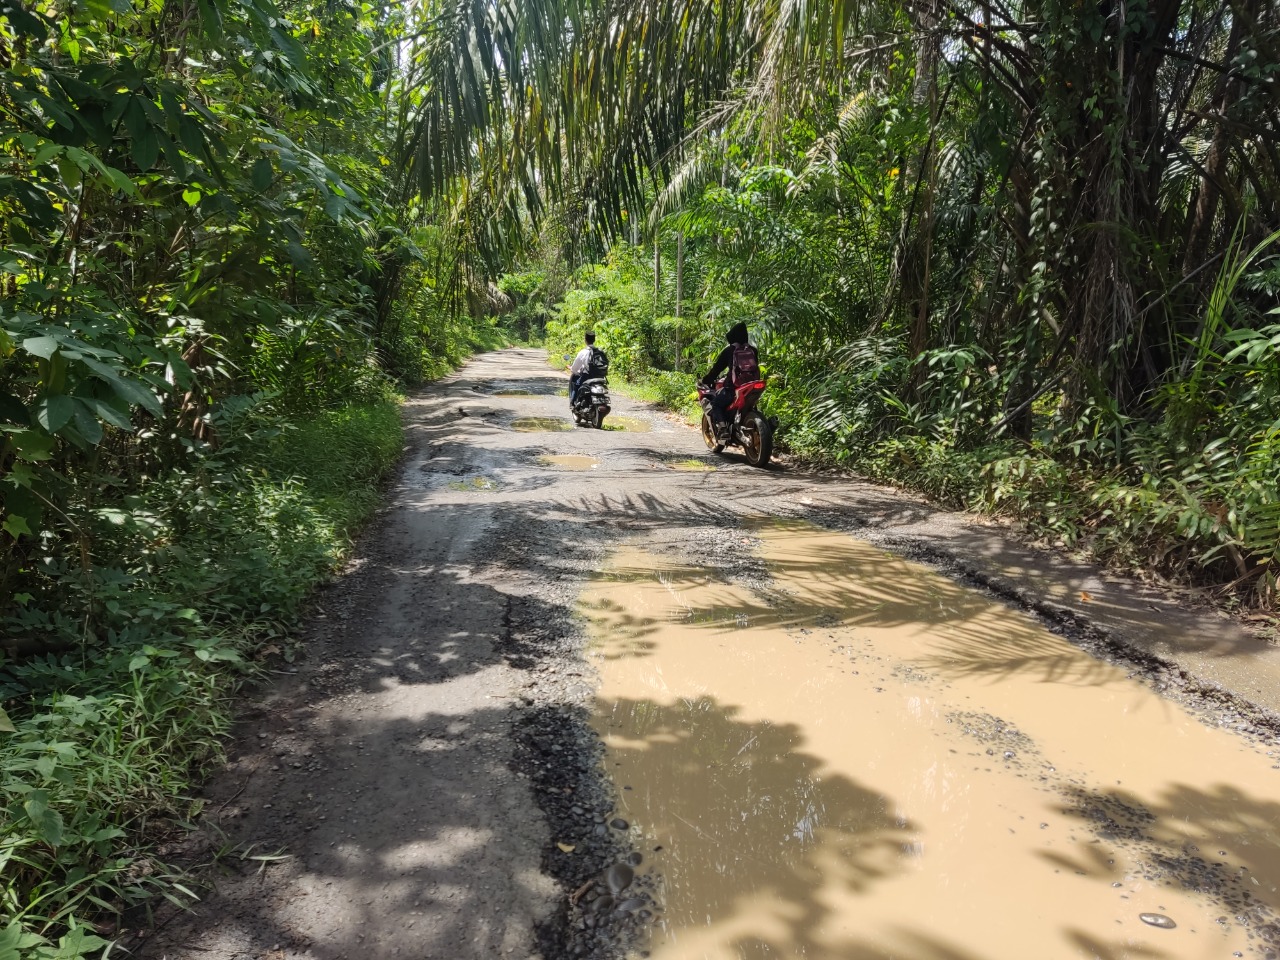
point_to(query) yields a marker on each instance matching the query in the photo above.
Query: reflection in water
(853, 757)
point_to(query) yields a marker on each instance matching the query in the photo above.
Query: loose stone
(619, 877)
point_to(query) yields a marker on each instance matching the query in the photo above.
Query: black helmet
(737, 333)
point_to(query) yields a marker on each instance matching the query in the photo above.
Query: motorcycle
(747, 427)
(591, 403)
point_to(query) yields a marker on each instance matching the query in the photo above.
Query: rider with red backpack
(742, 362)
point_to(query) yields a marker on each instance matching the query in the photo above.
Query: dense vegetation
(214, 278)
(1021, 256)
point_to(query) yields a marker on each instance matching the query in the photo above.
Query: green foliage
(112, 726)
(211, 278)
(615, 300)
(670, 390)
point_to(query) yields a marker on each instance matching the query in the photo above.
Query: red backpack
(745, 365)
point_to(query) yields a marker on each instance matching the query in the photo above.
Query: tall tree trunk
(679, 291)
(918, 274)
(657, 275)
(1203, 211)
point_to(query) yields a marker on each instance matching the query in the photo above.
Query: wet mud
(474, 484)
(541, 424)
(843, 754)
(691, 465)
(627, 424)
(571, 461)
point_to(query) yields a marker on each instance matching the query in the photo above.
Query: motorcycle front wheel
(709, 434)
(597, 418)
(757, 439)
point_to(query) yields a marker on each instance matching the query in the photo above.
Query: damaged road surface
(599, 693)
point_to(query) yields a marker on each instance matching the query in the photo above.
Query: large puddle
(845, 755)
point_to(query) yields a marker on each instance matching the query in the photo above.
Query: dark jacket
(737, 336)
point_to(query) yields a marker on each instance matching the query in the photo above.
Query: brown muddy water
(541, 424)
(569, 462)
(472, 484)
(841, 754)
(691, 466)
(628, 424)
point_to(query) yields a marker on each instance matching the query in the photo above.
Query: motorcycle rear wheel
(709, 434)
(757, 439)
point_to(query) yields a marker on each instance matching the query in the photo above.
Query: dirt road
(428, 780)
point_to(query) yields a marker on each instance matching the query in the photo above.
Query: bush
(128, 702)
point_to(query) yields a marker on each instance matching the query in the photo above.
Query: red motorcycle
(747, 427)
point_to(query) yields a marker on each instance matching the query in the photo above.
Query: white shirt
(581, 362)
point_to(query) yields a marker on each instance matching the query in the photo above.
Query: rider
(747, 358)
(581, 368)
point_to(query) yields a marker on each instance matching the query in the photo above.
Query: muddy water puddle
(541, 424)
(849, 756)
(569, 462)
(475, 485)
(690, 465)
(628, 424)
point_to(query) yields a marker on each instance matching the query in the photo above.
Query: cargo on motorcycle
(729, 414)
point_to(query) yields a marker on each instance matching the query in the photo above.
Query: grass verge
(104, 733)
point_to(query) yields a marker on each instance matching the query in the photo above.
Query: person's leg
(720, 406)
(573, 386)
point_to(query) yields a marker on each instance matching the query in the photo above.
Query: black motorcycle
(591, 403)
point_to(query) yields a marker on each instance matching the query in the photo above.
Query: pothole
(691, 465)
(628, 425)
(473, 484)
(569, 461)
(541, 425)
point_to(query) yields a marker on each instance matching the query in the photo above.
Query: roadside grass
(109, 729)
(676, 392)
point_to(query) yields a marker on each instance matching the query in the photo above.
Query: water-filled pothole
(540, 424)
(628, 425)
(515, 393)
(691, 465)
(853, 756)
(569, 461)
(473, 484)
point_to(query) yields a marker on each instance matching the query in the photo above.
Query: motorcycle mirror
(567, 357)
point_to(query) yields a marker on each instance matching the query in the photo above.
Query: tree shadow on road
(1219, 842)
